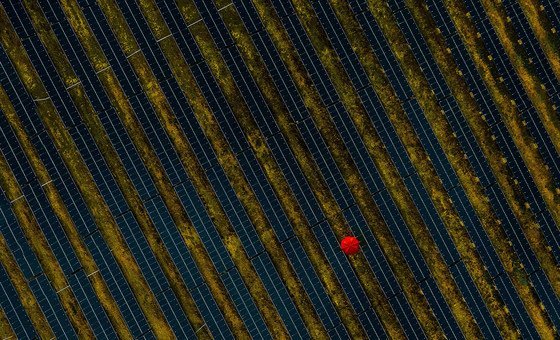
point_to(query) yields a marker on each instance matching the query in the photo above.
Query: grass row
(59, 208)
(84, 181)
(387, 170)
(271, 169)
(546, 34)
(483, 135)
(424, 168)
(6, 330)
(538, 96)
(131, 196)
(459, 162)
(40, 246)
(348, 168)
(233, 171)
(28, 301)
(154, 167)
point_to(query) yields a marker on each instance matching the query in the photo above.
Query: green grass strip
(425, 168)
(40, 246)
(459, 161)
(25, 295)
(84, 181)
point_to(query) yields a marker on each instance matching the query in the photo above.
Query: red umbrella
(350, 245)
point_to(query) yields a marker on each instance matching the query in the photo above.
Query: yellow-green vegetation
(63, 216)
(151, 161)
(459, 162)
(6, 331)
(234, 174)
(546, 34)
(25, 294)
(272, 170)
(131, 196)
(536, 92)
(483, 135)
(84, 181)
(38, 243)
(388, 173)
(425, 168)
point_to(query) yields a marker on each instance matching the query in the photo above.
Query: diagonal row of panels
(249, 152)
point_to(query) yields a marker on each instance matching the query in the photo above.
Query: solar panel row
(528, 186)
(500, 132)
(261, 52)
(235, 212)
(218, 177)
(247, 152)
(449, 171)
(139, 102)
(440, 77)
(13, 308)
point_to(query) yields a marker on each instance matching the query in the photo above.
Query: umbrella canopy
(350, 245)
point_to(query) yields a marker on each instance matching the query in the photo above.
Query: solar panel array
(116, 149)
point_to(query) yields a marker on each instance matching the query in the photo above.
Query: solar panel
(24, 256)
(307, 53)
(476, 304)
(422, 53)
(518, 313)
(50, 306)
(386, 58)
(211, 17)
(119, 288)
(539, 63)
(280, 297)
(441, 309)
(13, 308)
(51, 228)
(428, 139)
(81, 287)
